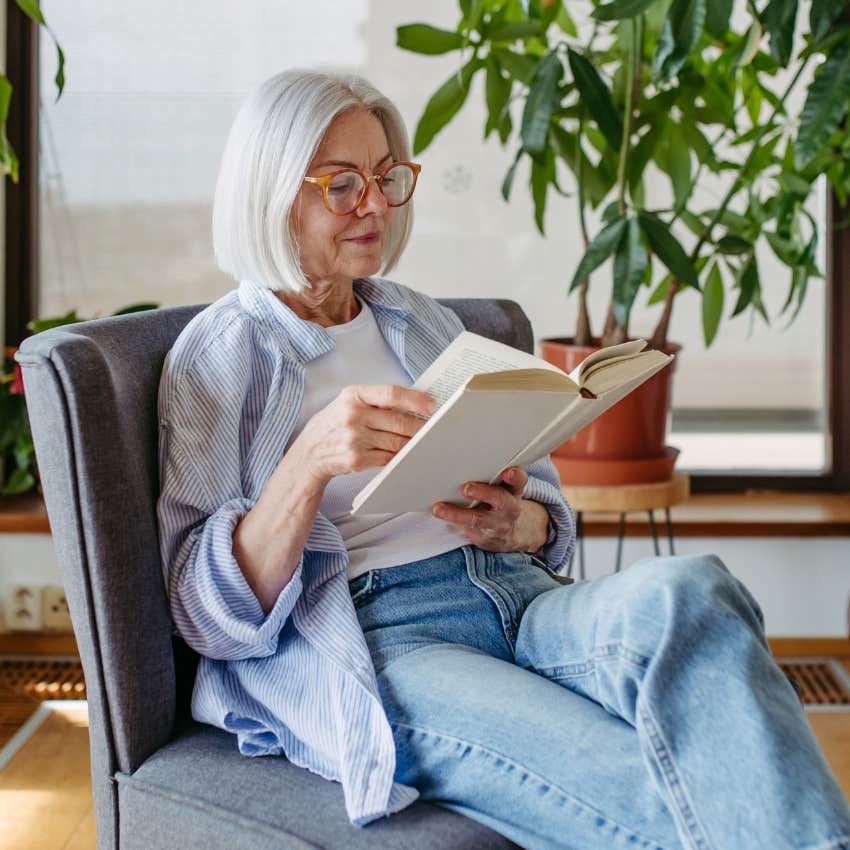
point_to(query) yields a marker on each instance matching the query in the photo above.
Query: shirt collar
(308, 340)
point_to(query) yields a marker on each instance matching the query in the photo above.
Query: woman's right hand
(363, 427)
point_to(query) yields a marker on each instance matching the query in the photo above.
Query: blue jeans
(639, 710)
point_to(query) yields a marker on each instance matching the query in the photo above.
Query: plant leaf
(519, 65)
(509, 177)
(717, 16)
(667, 248)
(140, 307)
(682, 29)
(599, 250)
(779, 17)
(32, 9)
(596, 98)
(750, 285)
(541, 177)
(629, 270)
(826, 105)
(712, 304)
(39, 325)
(822, 15)
(423, 38)
(542, 99)
(497, 94)
(444, 105)
(620, 9)
(515, 30)
(732, 244)
(20, 481)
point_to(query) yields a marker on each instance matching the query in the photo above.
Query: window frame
(22, 268)
(21, 205)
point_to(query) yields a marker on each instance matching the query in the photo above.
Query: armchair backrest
(91, 392)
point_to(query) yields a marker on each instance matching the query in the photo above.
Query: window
(128, 161)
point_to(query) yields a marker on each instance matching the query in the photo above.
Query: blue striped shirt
(299, 680)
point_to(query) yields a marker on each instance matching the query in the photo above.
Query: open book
(498, 407)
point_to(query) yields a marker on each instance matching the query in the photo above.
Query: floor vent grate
(26, 682)
(823, 681)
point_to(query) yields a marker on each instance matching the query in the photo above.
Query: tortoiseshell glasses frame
(345, 203)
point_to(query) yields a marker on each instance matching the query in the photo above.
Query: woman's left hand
(504, 522)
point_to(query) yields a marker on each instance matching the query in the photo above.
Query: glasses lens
(397, 184)
(344, 192)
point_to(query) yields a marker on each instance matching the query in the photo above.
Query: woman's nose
(373, 201)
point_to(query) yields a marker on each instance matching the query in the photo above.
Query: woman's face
(336, 249)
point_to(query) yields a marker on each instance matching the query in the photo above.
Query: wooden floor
(45, 795)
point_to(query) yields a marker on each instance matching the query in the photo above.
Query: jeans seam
(588, 667)
(673, 780)
(563, 793)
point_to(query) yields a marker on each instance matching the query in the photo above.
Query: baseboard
(810, 647)
(37, 643)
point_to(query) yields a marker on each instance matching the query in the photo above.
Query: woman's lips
(365, 239)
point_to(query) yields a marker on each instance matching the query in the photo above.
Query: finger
(393, 421)
(497, 497)
(475, 520)
(515, 478)
(393, 397)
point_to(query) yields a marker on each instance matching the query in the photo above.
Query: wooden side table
(623, 499)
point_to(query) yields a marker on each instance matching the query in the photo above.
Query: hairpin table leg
(620, 537)
(669, 530)
(654, 532)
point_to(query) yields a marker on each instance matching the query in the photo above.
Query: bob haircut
(272, 142)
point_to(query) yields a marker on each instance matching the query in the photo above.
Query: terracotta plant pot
(626, 445)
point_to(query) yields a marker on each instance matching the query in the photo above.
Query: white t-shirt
(373, 541)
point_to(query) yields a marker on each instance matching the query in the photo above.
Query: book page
(468, 355)
(613, 352)
(609, 376)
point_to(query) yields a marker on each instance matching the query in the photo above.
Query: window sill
(23, 515)
(756, 513)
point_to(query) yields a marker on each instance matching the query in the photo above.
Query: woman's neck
(324, 305)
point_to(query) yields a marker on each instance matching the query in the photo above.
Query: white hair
(272, 142)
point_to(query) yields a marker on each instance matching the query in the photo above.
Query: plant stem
(583, 335)
(628, 111)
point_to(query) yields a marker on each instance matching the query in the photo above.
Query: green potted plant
(18, 469)
(597, 93)
(8, 159)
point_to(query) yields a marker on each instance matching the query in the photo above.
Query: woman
(433, 655)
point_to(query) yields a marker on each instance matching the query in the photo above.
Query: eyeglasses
(345, 190)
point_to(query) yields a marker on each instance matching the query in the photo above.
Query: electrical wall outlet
(54, 610)
(23, 607)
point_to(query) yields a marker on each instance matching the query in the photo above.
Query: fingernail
(467, 489)
(510, 474)
(439, 511)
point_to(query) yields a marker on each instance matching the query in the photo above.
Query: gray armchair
(161, 780)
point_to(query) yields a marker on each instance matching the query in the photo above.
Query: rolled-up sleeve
(544, 486)
(212, 605)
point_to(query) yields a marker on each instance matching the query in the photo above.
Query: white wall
(801, 583)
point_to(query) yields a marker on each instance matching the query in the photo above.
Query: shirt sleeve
(544, 486)
(200, 504)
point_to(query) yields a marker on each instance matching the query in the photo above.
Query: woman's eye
(340, 187)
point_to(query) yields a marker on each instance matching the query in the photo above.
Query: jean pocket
(362, 587)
